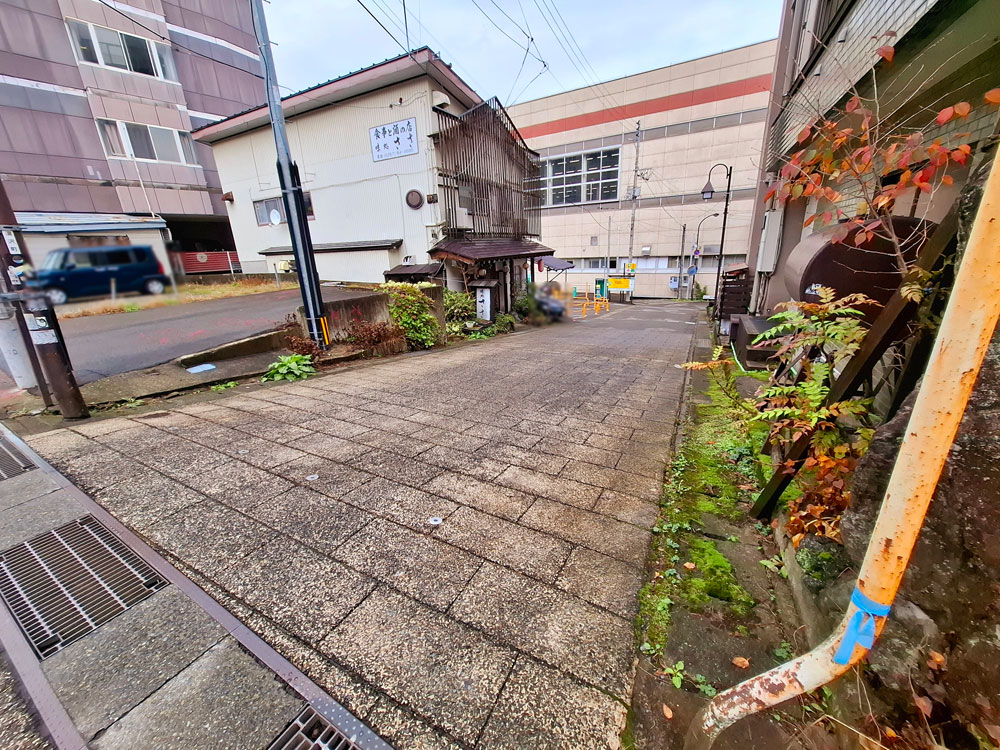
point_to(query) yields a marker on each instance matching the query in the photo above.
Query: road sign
(620, 285)
(692, 270)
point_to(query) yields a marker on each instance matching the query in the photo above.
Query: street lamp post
(697, 245)
(706, 193)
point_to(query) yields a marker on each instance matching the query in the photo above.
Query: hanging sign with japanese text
(394, 139)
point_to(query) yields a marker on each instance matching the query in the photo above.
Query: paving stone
(19, 726)
(105, 675)
(389, 465)
(237, 484)
(470, 464)
(529, 459)
(539, 555)
(63, 444)
(614, 479)
(223, 689)
(647, 467)
(489, 498)
(566, 491)
(24, 487)
(182, 459)
(532, 713)
(99, 468)
(503, 435)
(423, 659)
(312, 518)
(581, 452)
(261, 453)
(141, 501)
(417, 564)
(36, 516)
(336, 427)
(553, 626)
(301, 590)
(396, 502)
(614, 538)
(208, 536)
(627, 508)
(443, 421)
(404, 445)
(330, 447)
(328, 477)
(602, 580)
(403, 730)
(449, 439)
(93, 427)
(275, 430)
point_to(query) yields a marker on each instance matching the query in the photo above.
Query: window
(592, 263)
(81, 260)
(148, 142)
(119, 257)
(142, 144)
(264, 207)
(109, 42)
(116, 49)
(111, 138)
(580, 178)
(84, 43)
(139, 59)
(165, 57)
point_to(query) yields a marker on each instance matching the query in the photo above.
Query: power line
(379, 22)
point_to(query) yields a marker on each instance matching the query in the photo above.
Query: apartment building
(97, 101)
(690, 116)
(402, 164)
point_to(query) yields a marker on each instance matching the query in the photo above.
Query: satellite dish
(275, 217)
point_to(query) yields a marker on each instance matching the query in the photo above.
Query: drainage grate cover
(12, 461)
(310, 731)
(68, 582)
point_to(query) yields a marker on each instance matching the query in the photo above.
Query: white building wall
(354, 198)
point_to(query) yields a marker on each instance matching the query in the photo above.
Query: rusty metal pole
(965, 333)
(54, 357)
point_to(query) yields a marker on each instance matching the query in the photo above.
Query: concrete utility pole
(607, 263)
(635, 203)
(291, 186)
(681, 276)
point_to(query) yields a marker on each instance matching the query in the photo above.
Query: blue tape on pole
(861, 628)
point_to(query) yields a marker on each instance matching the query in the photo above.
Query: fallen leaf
(936, 661)
(890, 733)
(962, 109)
(944, 115)
(992, 96)
(690, 565)
(667, 711)
(993, 731)
(886, 52)
(741, 661)
(924, 704)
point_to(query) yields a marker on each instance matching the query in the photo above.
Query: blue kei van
(88, 271)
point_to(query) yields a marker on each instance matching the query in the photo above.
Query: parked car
(88, 271)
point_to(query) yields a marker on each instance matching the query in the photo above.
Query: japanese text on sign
(394, 139)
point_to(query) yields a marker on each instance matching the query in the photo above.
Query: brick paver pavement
(450, 543)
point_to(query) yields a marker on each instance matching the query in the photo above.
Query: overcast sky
(321, 39)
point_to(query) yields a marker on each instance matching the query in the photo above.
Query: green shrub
(504, 323)
(410, 309)
(290, 367)
(458, 306)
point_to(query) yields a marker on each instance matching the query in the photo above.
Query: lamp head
(708, 191)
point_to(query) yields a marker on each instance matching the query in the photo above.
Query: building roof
(556, 264)
(500, 248)
(423, 61)
(337, 247)
(56, 221)
(415, 269)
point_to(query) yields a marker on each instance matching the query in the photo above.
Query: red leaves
(962, 109)
(924, 704)
(852, 104)
(770, 194)
(886, 52)
(804, 134)
(948, 180)
(992, 96)
(961, 154)
(945, 115)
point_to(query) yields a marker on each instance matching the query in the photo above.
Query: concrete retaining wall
(373, 308)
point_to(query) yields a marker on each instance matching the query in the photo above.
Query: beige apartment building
(690, 116)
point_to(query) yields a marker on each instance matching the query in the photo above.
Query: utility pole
(635, 204)
(291, 186)
(607, 263)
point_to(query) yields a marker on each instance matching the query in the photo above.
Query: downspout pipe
(965, 333)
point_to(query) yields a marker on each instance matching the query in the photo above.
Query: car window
(119, 257)
(139, 255)
(53, 261)
(81, 259)
(99, 258)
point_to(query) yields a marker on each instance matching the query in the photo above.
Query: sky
(485, 40)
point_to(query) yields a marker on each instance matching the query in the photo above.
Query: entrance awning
(414, 269)
(557, 264)
(337, 247)
(479, 250)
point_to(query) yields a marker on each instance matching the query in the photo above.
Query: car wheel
(56, 296)
(153, 286)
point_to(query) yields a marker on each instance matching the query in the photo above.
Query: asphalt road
(103, 345)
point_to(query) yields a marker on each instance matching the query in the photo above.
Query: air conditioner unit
(646, 250)
(767, 255)
(440, 99)
(462, 218)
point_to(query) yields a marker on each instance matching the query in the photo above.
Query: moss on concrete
(713, 578)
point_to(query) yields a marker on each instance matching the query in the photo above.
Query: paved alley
(449, 543)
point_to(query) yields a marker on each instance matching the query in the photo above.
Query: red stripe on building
(650, 106)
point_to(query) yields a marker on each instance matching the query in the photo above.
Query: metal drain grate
(68, 582)
(310, 731)
(12, 461)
